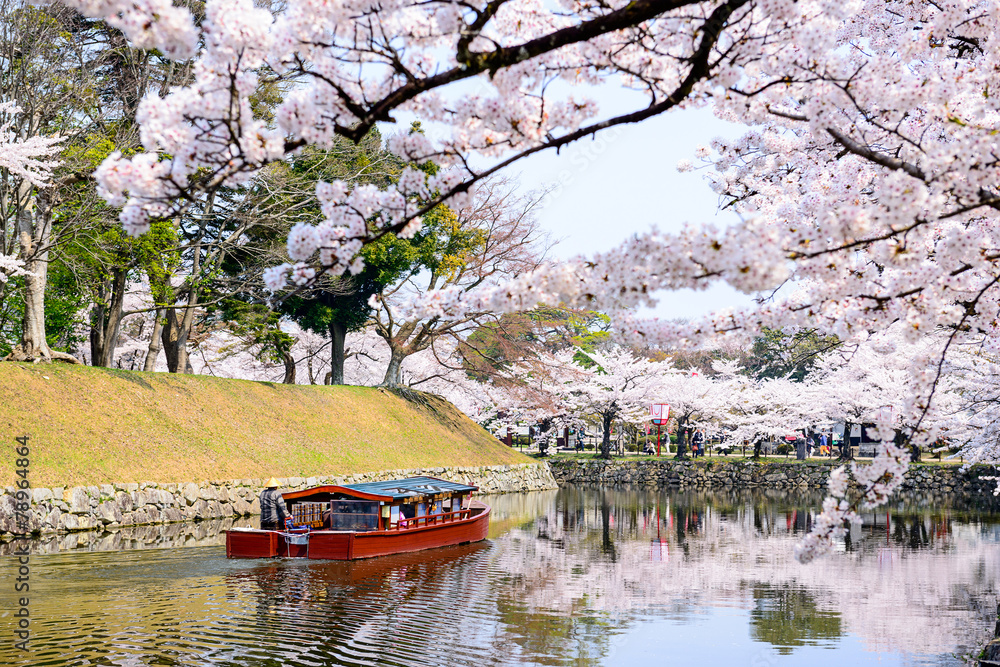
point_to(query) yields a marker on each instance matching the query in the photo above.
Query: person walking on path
(822, 445)
(273, 511)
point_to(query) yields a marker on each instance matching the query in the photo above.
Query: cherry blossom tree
(695, 400)
(866, 181)
(616, 385)
(863, 379)
(974, 422)
(757, 410)
(493, 238)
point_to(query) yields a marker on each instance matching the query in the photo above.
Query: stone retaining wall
(109, 506)
(932, 480)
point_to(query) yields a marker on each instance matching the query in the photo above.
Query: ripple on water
(583, 578)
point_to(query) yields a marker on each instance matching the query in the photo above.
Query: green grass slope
(95, 425)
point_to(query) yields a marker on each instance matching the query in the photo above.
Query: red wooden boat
(365, 520)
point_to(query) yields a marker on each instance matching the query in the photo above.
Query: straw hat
(272, 483)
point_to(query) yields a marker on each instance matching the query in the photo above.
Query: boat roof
(389, 490)
(411, 487)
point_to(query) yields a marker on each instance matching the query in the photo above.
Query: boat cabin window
(353, 515)
(308, 514)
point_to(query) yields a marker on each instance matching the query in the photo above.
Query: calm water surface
(575, 577)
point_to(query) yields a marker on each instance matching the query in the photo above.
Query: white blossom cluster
(10, 267)
(618, 384)
(866, 178)
(29, 159)
(150, 24)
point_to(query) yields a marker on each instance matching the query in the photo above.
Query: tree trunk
(34, 346)
(607, 543)
(176, 331)
(682, 433)
(845, 443)
(106, 319)
(338, 334)
(289, 368)
(900, 441)
(155, 344)
(34, 233)
(606, 419)
(183, 360)
(168, 337)
(394, 373)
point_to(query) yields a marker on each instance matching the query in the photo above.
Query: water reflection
(787, 616)
(578, 577)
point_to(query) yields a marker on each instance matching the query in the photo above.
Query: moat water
(582, 576)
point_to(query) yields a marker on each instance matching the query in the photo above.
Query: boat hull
(335, 545)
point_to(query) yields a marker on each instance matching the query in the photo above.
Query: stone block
(68, 522)
(75, 522)
(8, 514)
(191, 492)
(109, 512)
(214, 509)
(242, 507)
(199, 510)
(41, 495)
(78, 500)
(53, 519)
(124, 501)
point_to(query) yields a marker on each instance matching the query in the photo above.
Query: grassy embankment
(94, 425)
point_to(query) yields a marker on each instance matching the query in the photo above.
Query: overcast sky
(621, 184)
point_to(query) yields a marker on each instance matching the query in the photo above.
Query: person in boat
(273, 511)
(407, 512)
